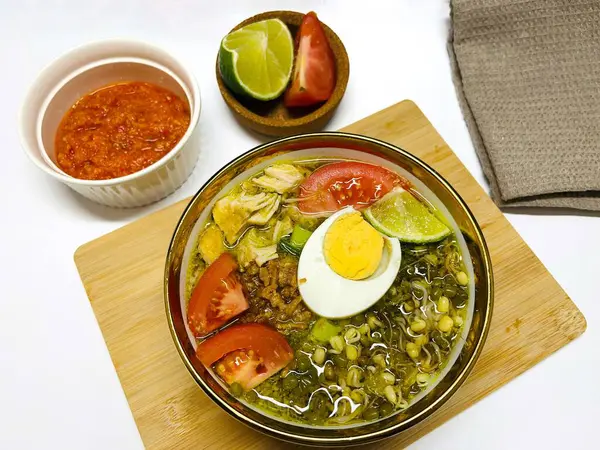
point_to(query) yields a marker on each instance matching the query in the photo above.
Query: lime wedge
(257, 60)
(400, 215)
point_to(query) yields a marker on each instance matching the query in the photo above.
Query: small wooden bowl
(272, 118)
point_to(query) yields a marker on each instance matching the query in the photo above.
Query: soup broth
(247, 284)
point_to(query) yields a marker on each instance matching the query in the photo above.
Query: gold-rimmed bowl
(370, 431)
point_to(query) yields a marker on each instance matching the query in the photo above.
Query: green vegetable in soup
(323, 330)
(299, 237)
(294, 243)
(284, 245)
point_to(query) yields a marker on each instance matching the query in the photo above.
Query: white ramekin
(90, 67)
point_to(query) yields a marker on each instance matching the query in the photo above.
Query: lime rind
(399, 214)
(257, 60)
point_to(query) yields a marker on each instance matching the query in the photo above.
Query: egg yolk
(352, 247)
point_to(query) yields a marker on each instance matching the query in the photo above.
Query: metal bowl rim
(384, 432)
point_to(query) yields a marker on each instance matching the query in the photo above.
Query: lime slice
(257, 60)
(399, 214)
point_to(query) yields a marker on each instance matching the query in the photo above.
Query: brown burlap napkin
(527, 73)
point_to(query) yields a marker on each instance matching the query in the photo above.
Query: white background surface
(58, 388)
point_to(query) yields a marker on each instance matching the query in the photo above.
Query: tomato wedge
(246, 353)
(216, 298)
(348, 183)
(314, 71)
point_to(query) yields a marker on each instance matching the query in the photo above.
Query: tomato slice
(246, 353)
(216, 298)
(314, 71)
(334, 186)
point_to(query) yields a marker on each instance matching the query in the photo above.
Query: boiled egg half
(346, 265)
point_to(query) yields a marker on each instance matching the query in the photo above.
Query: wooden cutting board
(123, 275)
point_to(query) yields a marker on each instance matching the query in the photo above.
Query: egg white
(332, 296)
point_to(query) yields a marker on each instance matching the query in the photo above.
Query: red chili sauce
(120, 129)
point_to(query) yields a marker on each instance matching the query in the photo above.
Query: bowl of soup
(328, 289)
(115, 120)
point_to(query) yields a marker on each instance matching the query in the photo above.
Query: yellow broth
(370, 365)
